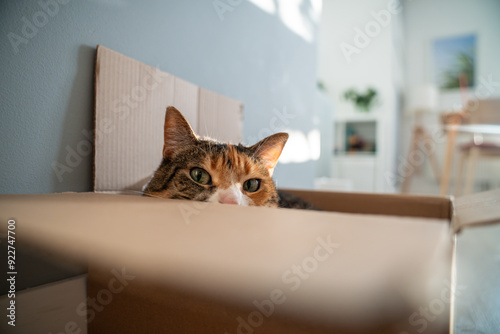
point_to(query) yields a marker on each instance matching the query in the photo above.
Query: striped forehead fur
(228, 165)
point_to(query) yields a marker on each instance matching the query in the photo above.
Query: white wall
(375, 64)
(427, 20)
(372, 66)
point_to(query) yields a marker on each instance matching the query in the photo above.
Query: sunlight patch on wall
(300, 16)
(301, 147)
(266, 5)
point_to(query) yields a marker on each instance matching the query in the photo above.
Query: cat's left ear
(177, 132)
(269, 149)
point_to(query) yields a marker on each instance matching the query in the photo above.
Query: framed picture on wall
(454, 61)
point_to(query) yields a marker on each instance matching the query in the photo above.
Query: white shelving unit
(359, 153)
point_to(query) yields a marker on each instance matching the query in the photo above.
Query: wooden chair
(421, 139)
(479, 112)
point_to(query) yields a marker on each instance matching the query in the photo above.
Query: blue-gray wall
(47, 83)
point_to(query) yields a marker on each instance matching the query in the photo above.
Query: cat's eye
(251, 185)
(200, 176)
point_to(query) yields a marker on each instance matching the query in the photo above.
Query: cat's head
(205, 170)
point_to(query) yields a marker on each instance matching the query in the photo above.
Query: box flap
(130, 103)
(380, 204)
(46, 307)
(477, 209)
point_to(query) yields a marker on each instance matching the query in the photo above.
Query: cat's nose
(228, 200)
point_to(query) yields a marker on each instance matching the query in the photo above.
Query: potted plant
(362, 102)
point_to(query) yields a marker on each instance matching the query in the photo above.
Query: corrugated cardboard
(477, 209)
(211, 262)
(48, 307)
(384, 204)
(130, 103)
(199, 267)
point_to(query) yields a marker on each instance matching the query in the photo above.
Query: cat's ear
(177, 132)
(269, 149)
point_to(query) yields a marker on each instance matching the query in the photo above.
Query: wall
(448, 18)
(427, 20)
(263, 55)
(347, 60)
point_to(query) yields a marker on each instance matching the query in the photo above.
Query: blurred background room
(382, 96)
(424, 59)
(361, 86)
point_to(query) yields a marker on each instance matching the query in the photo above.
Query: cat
(203, 169)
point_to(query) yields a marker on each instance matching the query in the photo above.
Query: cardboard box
(367, 264)
(202, 268)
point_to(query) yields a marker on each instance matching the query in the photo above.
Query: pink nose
(228, 200)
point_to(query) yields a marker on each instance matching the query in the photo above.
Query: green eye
(251, 185)
(200, 176)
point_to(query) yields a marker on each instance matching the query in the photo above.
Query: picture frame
(455, 61)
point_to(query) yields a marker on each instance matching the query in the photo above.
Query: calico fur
(230, 168)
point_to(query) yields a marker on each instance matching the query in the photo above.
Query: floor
(477, 267)
(424, 185)
(477, 292)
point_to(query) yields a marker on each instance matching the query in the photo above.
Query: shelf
(358, 117)
(356, 155)
(356, 137)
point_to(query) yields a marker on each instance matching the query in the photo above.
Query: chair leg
(405, 187)
(458, 186)
(471, 169)
(448, 162)
(417, 166)
(430, 147)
